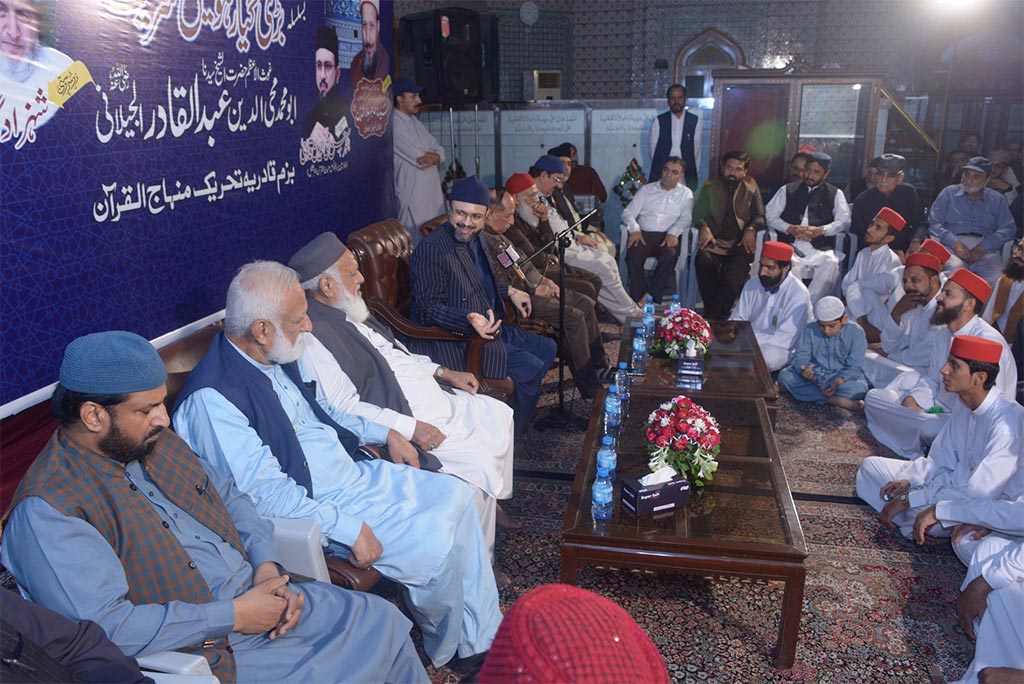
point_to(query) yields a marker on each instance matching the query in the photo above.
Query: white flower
(666, 421)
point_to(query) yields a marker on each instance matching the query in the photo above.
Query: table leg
(789, 621)
(569, 566)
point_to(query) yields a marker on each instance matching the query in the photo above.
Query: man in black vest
(676, 133)
(810, 215)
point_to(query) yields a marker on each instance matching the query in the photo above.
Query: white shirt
(840, 217)
(677, 137)
(658, 210)
(999, 515)
(929, 391)
(856, 286)
(910, 341)
(777, 318)
(418, 189)
(1015, 299)
(975, 455)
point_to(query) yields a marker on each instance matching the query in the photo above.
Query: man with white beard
(363, 369)
(973, 221)
(26, 66)
(246, 408)
(583, 251)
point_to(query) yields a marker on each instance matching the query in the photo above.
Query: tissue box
(641, 500)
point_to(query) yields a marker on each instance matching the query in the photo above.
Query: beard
(352, 305)
(18, 70)
(770, 283)
(524, 212)
(1013, 270)
(465, 238)
(972, 189)
(283, 352)
(945, 316)
(121, 448)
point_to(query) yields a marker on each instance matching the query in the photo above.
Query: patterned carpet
(877, 608)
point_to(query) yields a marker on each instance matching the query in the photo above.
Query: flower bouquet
(675, 331)
(683, 435)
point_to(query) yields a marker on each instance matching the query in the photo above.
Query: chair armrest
(173, 662)
(299, 542)
(403, 325)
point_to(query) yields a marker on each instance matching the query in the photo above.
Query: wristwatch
(439, 372)
(904, 500)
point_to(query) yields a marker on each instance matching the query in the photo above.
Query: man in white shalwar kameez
(471, 434)
(908, 413)
(418, 156)
(992, 594)
(246, 408)
(776, 304)
(907, 329)
(583, 251)
(976, 455)
(866, 293)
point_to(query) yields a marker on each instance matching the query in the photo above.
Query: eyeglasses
(459, 213)
(1019, 247)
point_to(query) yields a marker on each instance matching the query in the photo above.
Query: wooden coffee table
(733, 366)
(744, 524)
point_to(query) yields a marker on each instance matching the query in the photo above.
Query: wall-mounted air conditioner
(542, 84)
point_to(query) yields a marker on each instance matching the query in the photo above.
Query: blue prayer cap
(549, 163)
(822, 158)
(112, 362)
(472, 190)
(317, 255)
(979, 164)
(405, 85)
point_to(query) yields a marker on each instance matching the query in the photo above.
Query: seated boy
(827, 365)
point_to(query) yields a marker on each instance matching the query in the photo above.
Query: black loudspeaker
(455, 52)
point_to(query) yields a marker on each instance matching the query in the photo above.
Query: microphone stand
(558, 417)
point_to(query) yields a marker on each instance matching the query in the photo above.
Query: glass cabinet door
(832, 119)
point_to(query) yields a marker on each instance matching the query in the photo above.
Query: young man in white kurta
(777, 305)
(418, 156)
(898, 415)
(865, 293)
(992, 594)
(975, 456)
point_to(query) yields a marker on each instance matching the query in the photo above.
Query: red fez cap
(936, 249)
(518, 182)
(976, 349)
(893, 218)
(925, 260)
(973, 283)
(779, 251)
(558, 633)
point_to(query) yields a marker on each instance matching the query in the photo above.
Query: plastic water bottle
(648, 317)
(607, 458)
(639, 357)
(601, 496)
(674, 305)
(612, 414)
(622, 381)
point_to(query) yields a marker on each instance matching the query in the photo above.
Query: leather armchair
(427, 227)
(383, 250)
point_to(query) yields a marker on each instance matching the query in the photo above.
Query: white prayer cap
(829, 309)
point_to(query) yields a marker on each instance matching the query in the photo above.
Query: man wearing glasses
(890, 191)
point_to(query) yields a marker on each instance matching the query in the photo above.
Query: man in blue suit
(453, 288)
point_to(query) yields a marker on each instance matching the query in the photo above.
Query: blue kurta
(426, 522)
(65, 564)
(839, 356)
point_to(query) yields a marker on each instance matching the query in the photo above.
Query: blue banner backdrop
(201, 144)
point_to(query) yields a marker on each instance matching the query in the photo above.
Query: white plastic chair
(686, 278)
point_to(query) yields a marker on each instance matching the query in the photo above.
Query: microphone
(509, 258)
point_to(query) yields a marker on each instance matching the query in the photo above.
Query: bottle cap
(622, 365)
(614, 389)
(602, 472)
(606, 440)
